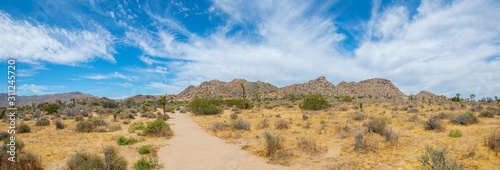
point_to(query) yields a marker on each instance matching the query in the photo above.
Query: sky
(121, 48)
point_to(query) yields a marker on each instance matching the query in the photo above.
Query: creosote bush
(146, 149)
(158, 128)
(112, 160)
(115, 127)
(84, 126)
(436, 159)
(314, 102)
(23, 128)
(87, 161)
(219, 126)
(147, 164)
(273, 143)
(205, 106)
(377, 125)
(487, 113)
(59, 124)
(241, 124)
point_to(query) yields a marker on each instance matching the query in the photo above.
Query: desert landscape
(314, 125)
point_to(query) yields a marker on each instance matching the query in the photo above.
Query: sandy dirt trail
(193, 148)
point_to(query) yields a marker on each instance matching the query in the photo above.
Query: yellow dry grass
(55, 147)
(337, 145)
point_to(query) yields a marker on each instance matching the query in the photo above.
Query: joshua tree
(472, 97)
(244, 95)
(458, 95)
(33, 104)
(163, 102)
(74, 101)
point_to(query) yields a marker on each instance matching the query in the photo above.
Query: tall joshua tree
(33, 104)
(472, 97)
(244, 95)
(163, 102)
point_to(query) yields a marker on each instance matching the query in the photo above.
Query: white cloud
(162, 88)
(126, 84)
(110, 76)
(37, 89)
(38, 43)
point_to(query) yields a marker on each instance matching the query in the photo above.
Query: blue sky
(123, 48)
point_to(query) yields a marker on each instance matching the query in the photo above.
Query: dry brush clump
(43, 121)
(85, 161)
(308, 145)
(219, 126)
(159, 128)
(363, 143)
(281, 124)
(434, 124)
(274, 147)
(493, 141)
(391, 135)
(435, 158)
(377, 125)
(467, 118)
(23, 128)
(241, 124)
(59, 124)
(23, 160)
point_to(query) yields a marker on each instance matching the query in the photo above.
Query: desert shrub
(391, 135)
(273, 144)
(163, 116)
(59, 124)
(219, 126)
(79, 118)
(455, 133)
(263, 124)
(347, 99)
(413, 118)
(241, 124)
(477, 108)
(147, 164)
(361, 143)
(85, 161)
(493, 141)
(412, 110)
(305, 117)
(145, 149)
(234, 116)
(127, 115)
(205, 106)
(466, 118)
(51, 108)
(23, 128)
(70, 112)
(434, 124)
(343, 108)
(377, 125)
(308, 145)
(84, 126)
(124, 141)
(487, 113)
(436, 159)
(281, 124)
(112, 160)
(314, 102)
(159, 128)
(3, 135)
(238, 103)
(101, 129)
(44, 121)
(114, 127)
(109, 104)
(358, 116)
(98, 122)
(29, 161)
(441, 115)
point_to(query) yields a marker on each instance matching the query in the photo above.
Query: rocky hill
(376, 87)
(26, 100)
(141, 98)
(216, 89)
(426, 95)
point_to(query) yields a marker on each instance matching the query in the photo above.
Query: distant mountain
(216, 88)
(376, 87)
(26, 100)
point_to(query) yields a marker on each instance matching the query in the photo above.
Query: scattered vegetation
(377, 125)
(436, 159)
(23, 128)
(467, 118)
(84, 126)
(434, 124)
(146, 149)
(159, 128)
(281, 124)
(43, 121)
(493, 141)
(455, 133)
(391, 135)
(241, 124)
(59, 124)
(314, 102)
(147, 164)
(124, 141)
(205, 106)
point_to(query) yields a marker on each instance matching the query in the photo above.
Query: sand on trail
(193, 148)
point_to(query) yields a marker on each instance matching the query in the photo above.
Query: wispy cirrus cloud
(99, 76)
(35, 43)
(38, 89)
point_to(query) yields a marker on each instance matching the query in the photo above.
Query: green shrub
(434, 124)
(205, 106)
(436, 159)
(322, 122)
(147, 164)
(146, 149)
(314, 102)
(132, 129)
(238, 103)
(358, 116)
(377, 125)
(347, 99)
(84, 126)
(241, 125)
(455, 133)
(112, 160)
(43, 121)
(98, 122)
(159, 128)
(59, 124)
(85, 161)
(23, 128)
(109, 104)
(466, 118)
(124, 141)
(51, 108)
(305, 117)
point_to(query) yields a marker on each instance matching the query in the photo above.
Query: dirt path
(193, 148)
